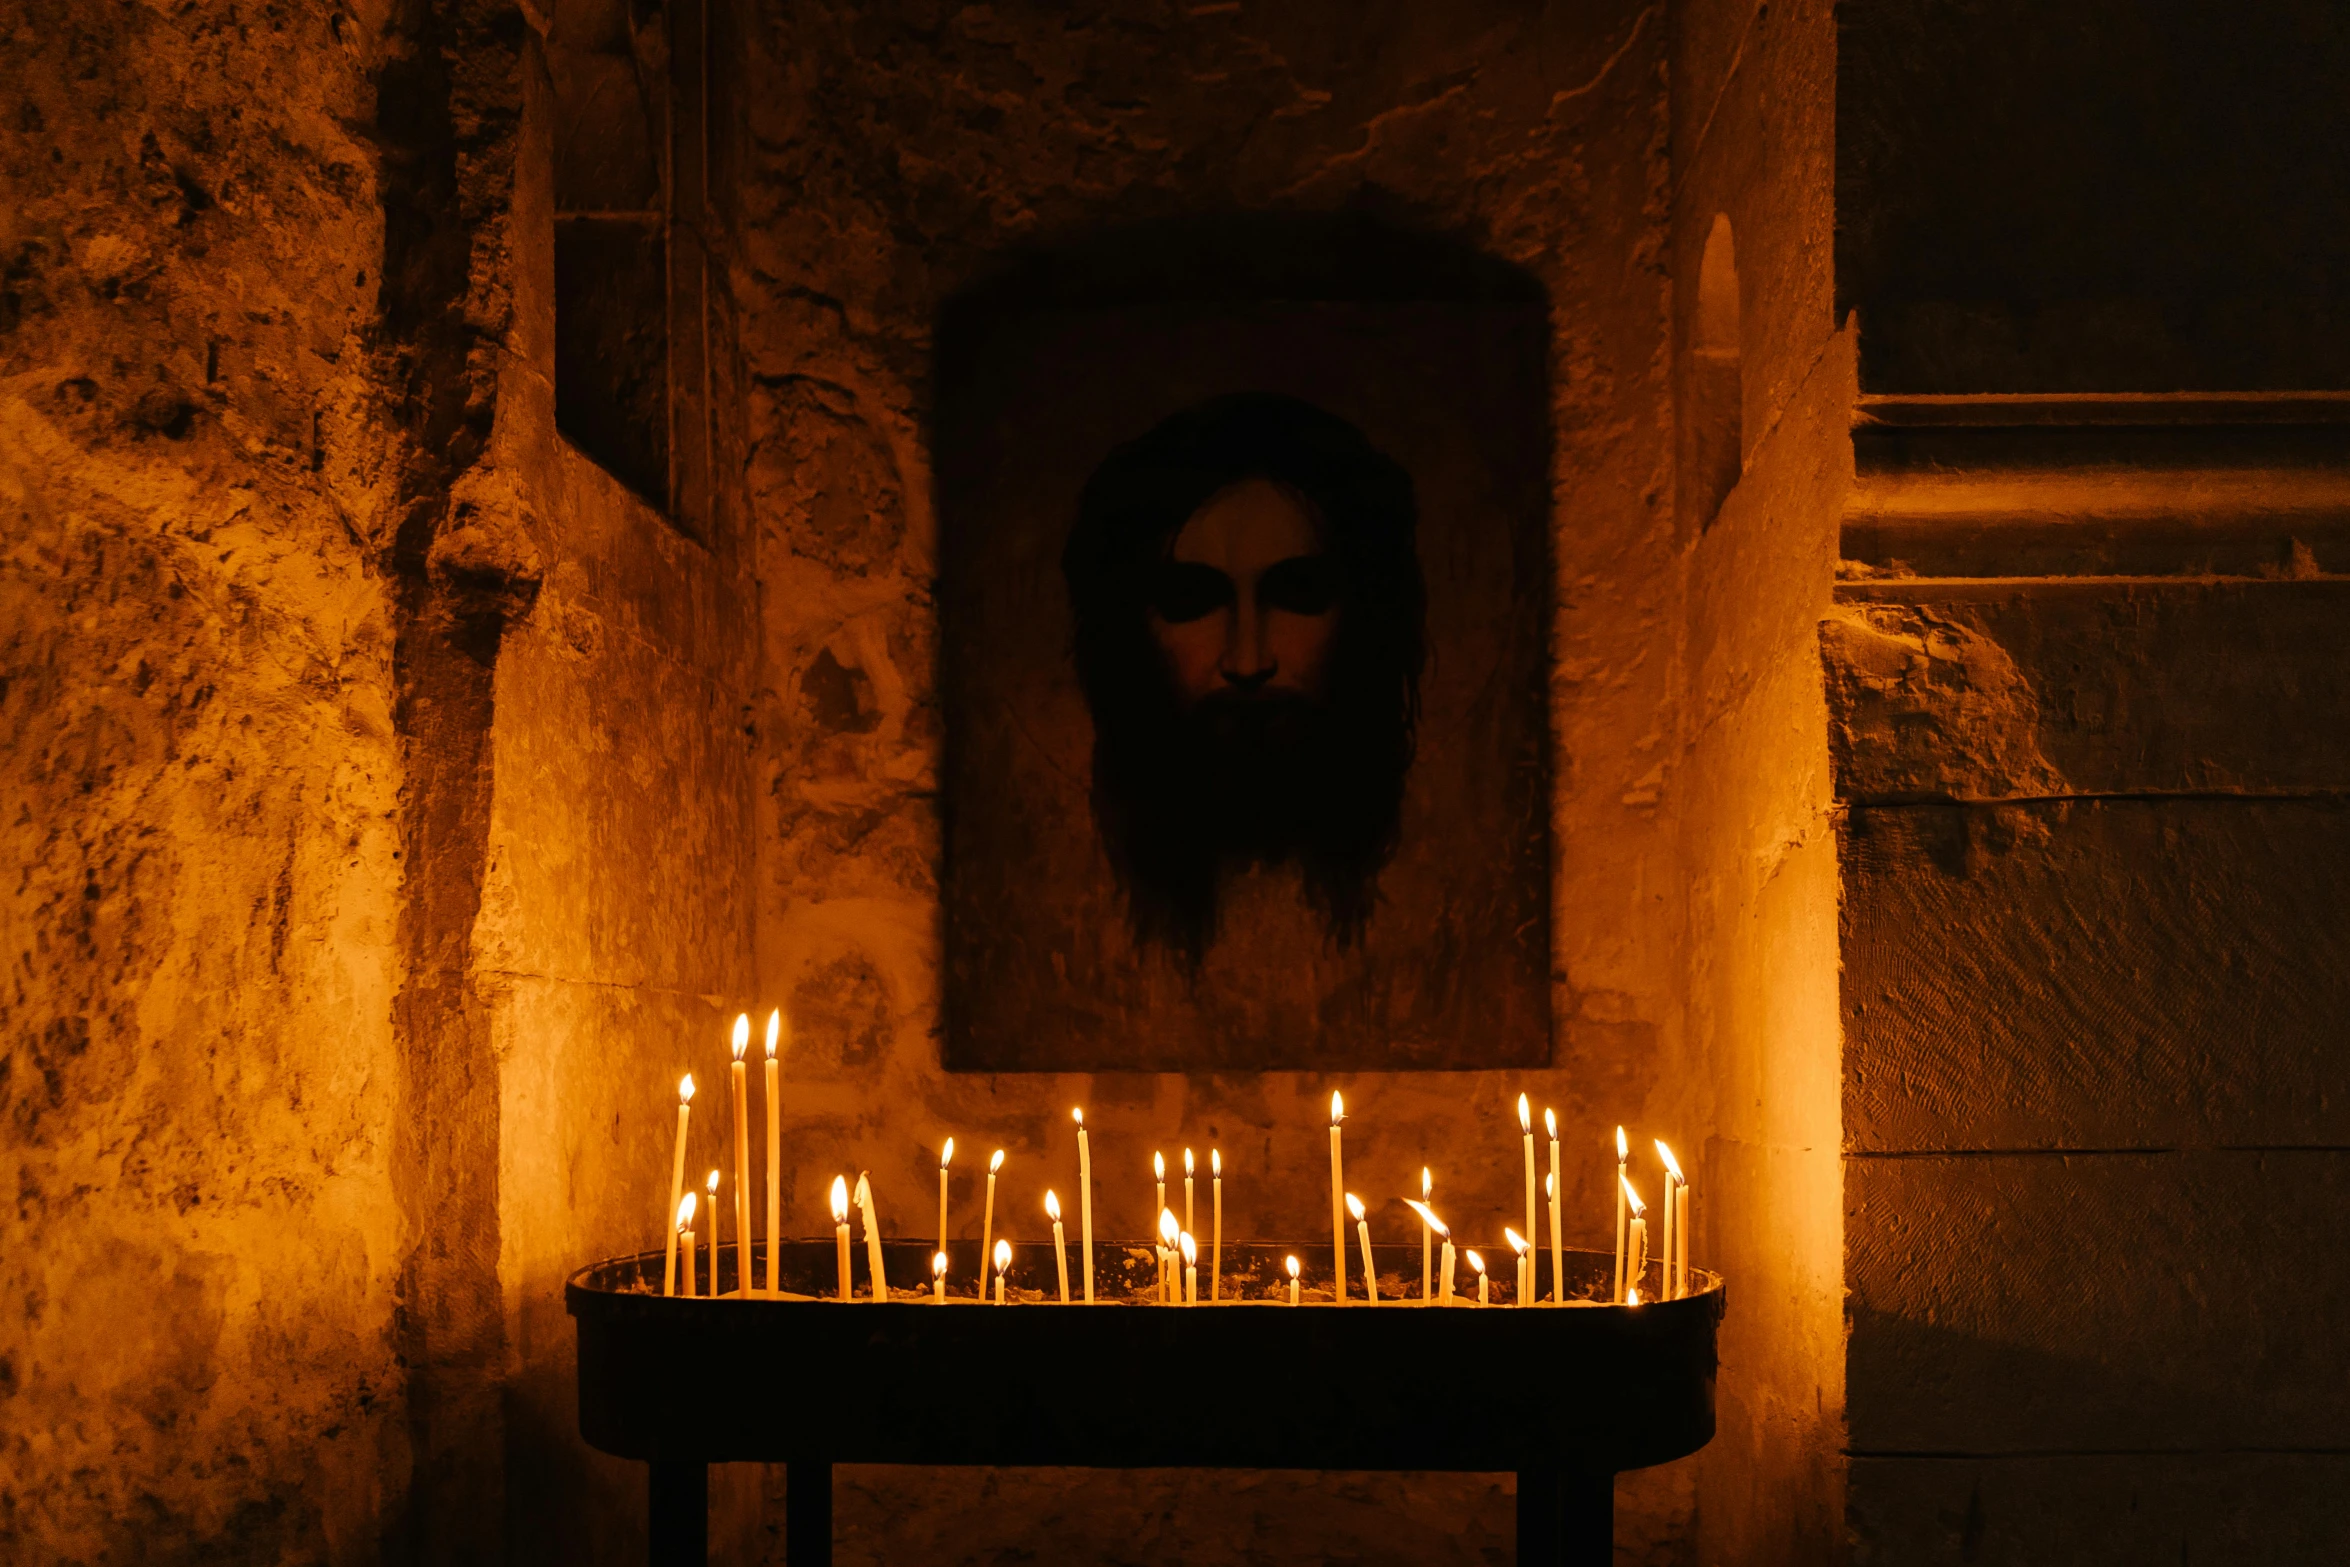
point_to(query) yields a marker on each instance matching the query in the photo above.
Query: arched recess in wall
(1712, 434)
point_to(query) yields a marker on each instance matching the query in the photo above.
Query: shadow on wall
(1712, 404)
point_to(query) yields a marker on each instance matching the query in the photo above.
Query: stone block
(2138, 1302)
(2096, 974)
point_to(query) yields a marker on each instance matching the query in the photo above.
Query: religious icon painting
(1243, 623)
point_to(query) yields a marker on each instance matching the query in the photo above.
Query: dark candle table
(1565, 1396)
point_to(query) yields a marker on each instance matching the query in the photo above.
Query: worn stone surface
(2164, 1302)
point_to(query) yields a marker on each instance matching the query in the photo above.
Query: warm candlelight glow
(685, 1211)
(1427, 1183)
(1632, 1297)
(1639, 1208)
(742, 1034)
(1672, 1165)
(1517, 1241)
(938, 1277)
(1292, 1265)
(774, 1031)
(1169, 1226)
(685, 1089)
(1427, 1216)
(996, 1163)
(840, 1196)
(1159, 1166)
(1003, 1262)
(946, 1155)
(1525, 1114)
(1476, 1262)
(1052, 1206)
(1623, 1146)
(1550, 1124)
(1215, 1161)
(1187, 1164)
(712, 1183)
(1077, 1114)
(1337, 1107)
(1292, 1262)
(1189, 1247)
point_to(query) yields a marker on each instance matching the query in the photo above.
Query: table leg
(807, 1514)
(679, 1514)
(1566, 1518)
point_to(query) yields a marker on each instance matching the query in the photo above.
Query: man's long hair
(1170, 830)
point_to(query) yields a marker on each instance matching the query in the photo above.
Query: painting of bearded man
(1242, 627)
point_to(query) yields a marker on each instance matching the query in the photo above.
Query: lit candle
(1189, 1216)
(1190, 1268)
(1556, 1187)
(685, 1110)
(1681, 1236)
(873, 1263)
(712, 1205)
(1526, 1131)
(1427, 1240)
(1623, 1217)
(1216, 1244)
(1003, 1262)
(1525, 1251)
(1477, 1264)
(1168, 1230)
(740, 1077)
(1444, 1265)
(774, 1149)
(1632, 1298)
(1668, 1280)
(1052, 1208)
(938, 1276)
(1337, 1202)
(1084, 1200)
(946, 1156)
(1292, 1263)
(1635, 1240)
(685, 1236)
(1354, 1205)
(1159, 1177)
(987, 1225)
(840, 1228)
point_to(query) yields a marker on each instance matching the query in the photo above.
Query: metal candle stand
(1566, 1397)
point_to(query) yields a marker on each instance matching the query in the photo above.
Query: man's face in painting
(1248, 612)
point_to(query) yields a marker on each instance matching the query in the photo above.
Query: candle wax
(688, 1240)
(676, 1196)
(774, 1170)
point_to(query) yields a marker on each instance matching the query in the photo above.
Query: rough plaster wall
(200, 767)
(893, 157)
(1753, 90)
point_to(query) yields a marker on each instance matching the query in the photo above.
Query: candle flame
(1623, 1148)
(1077, 1114)
(996, 1163)
(1292, 1262)
(1337, 1107)
(774, 1031)
(1638, 1207)
(840, 1199)
(1550, 1124)
(713, 1185)
(1475, 1261)
(1188, 1167)
(685, 1211)
(1517, 1241)
(1525, 1114)
(1190, 1248)
(685, 1089)
(1052, 1206)
(1428, 1217)
(1003, 1256)
(742, 1034)
(1632, 1297)
(1159, 1166)
(1672, 1165)
(1216, 1161)
(938, 1264)
(1168, 1227)
(946, 1155)
(1427, 1182)
(1354, 1205)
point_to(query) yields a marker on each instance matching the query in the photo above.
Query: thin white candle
(1556, 1187)
(682, 1228)
(1337, 1201)
(1477, 1263)
(1190, 1225)
(1003, 1263)
(1084, 1199)
(1635, 1237)
(938, 1276)
(840, 1228)
(740, 1078)
(1216, 1245)
(873, 1262)
(1665, 1280)
(1444, 1262)
(1681, 1237)
(1444, 1268)
(946, 1156)
(774, 1149)
(987, 1224)
(1427, 1240)
(1159, 1178)
(1526, 1129)
(685, 1110)
(1354, 1206)
(1292, 1264)
(1168, 1230)
(1623, 1217)
(1525, 1253)
(712, 1205)
(1190, 1249)
(1052, 1208)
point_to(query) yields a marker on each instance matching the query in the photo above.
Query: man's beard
(1251, 770)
